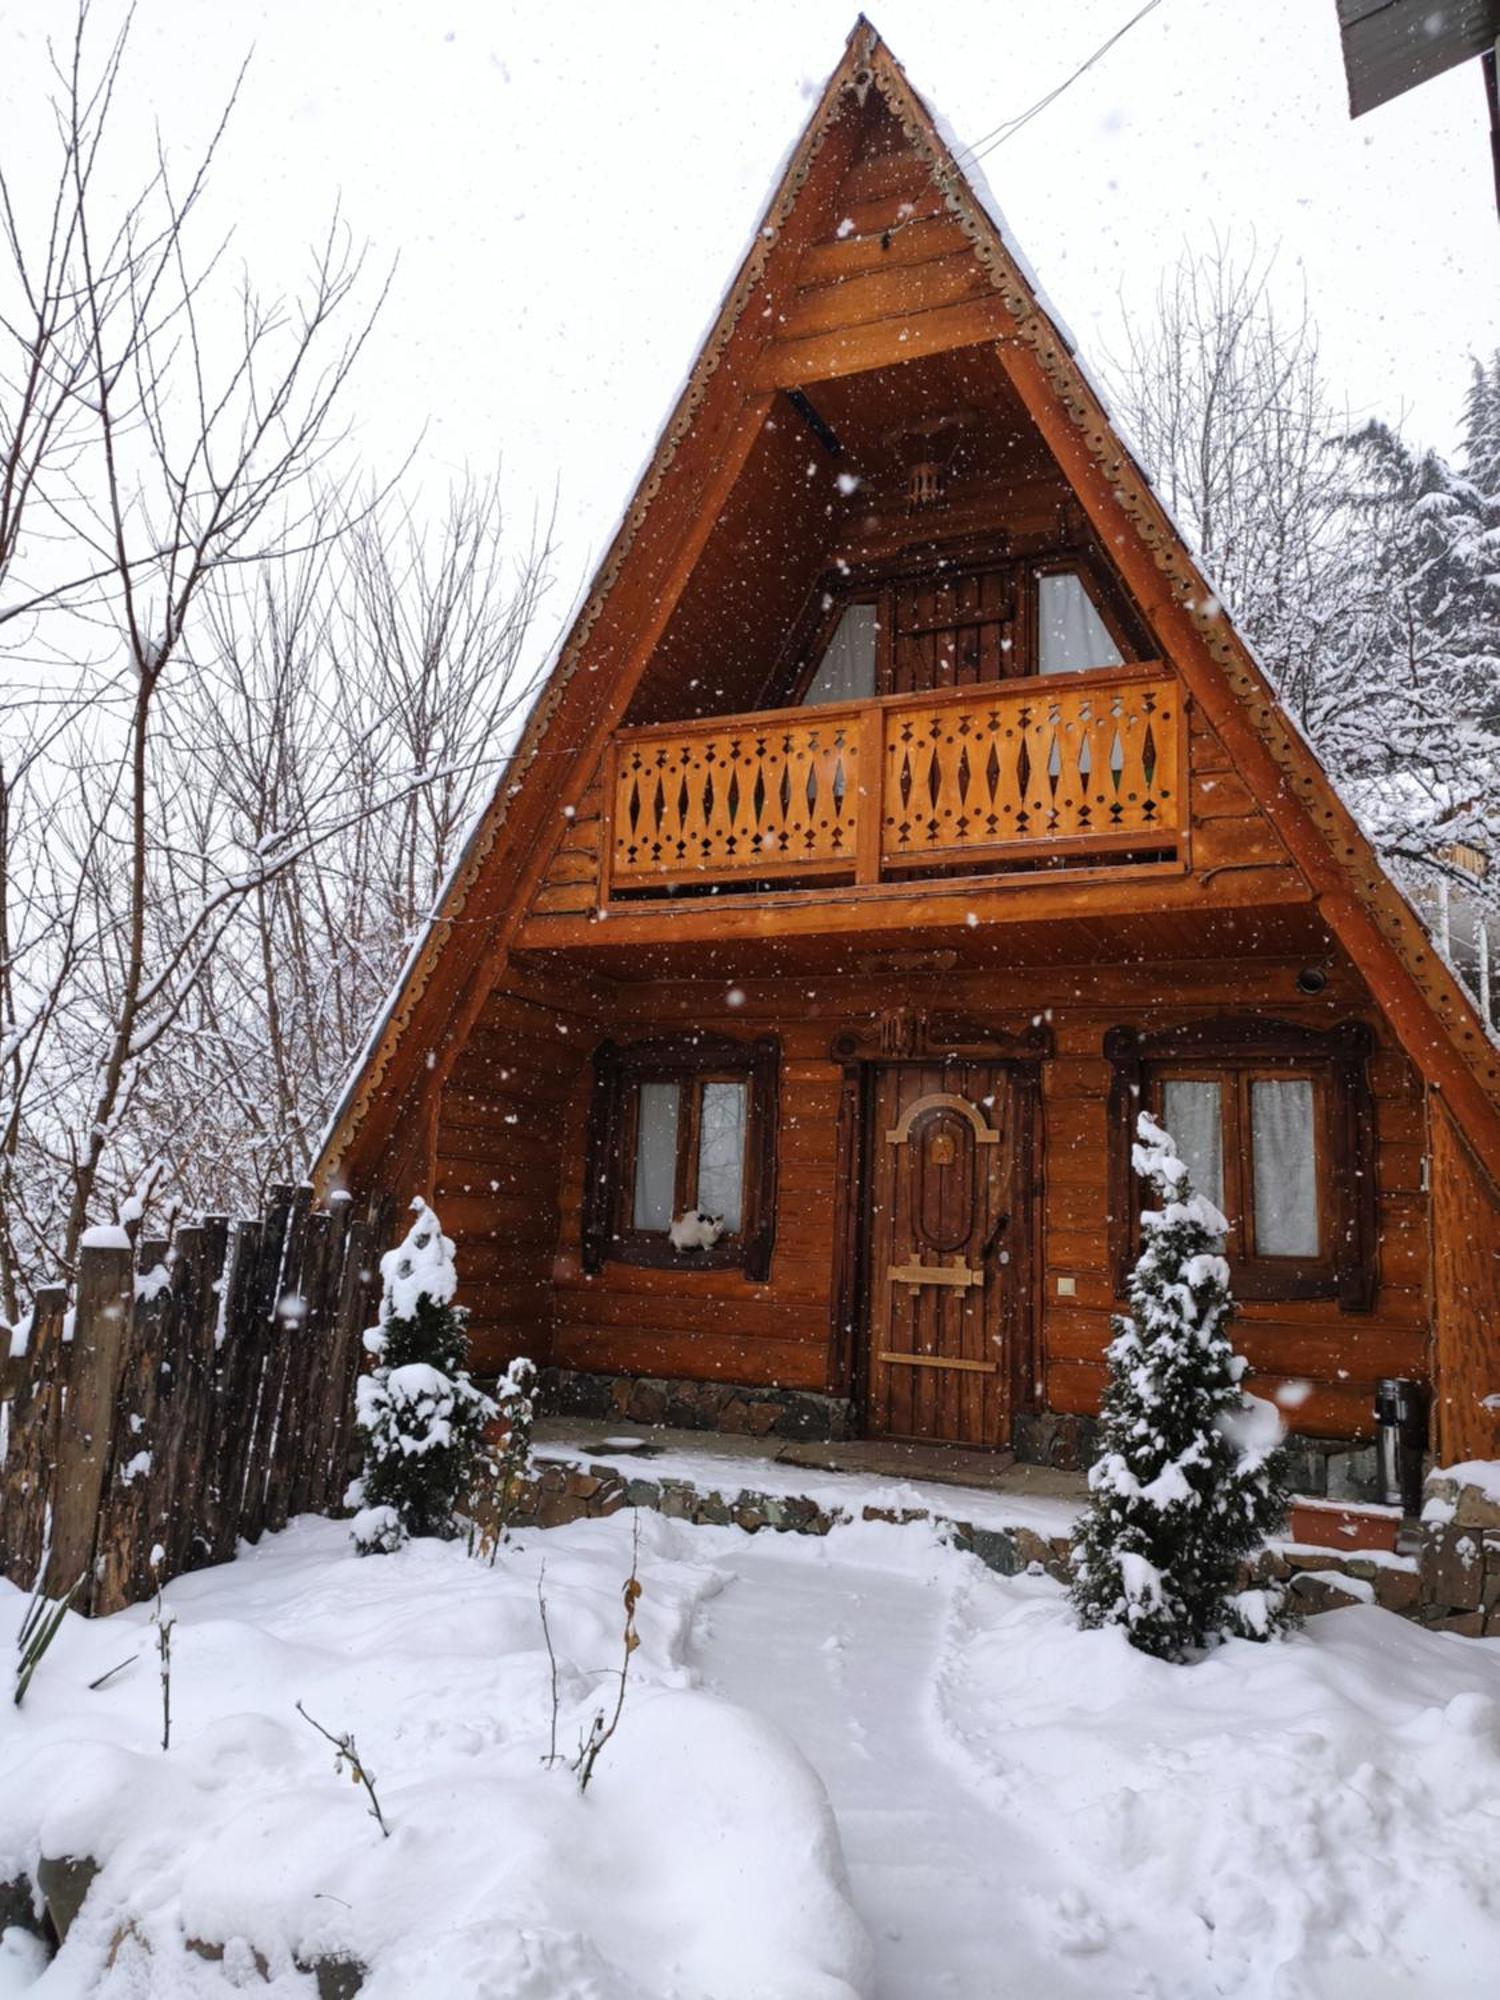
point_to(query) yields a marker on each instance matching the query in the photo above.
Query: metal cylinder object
(1401, 1417)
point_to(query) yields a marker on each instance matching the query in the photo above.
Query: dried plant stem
(39, 1627)
(600, 1732)
(347, 1754)
(551, 1662)
(164, 1652)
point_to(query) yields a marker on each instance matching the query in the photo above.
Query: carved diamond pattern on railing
(750, 802)
(1020, 770)
(1063, 770)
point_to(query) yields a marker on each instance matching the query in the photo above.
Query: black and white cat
(695, 1230)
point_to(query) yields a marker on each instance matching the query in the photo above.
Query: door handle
(1002, 1222)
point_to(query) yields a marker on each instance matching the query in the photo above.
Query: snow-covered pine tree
(1190, 1479)
(421, 1421)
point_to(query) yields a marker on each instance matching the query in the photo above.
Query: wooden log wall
(205, 1394)
(497, 1159)
(1465, 1296)
(718, 1325)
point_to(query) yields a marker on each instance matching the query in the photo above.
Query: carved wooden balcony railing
(1013, 775)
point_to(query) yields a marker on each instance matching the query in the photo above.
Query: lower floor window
(1276, 1124)
(1251, 1145)
(682, 1153)
(690, 1152)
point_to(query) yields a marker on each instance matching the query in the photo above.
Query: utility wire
(1011, 126)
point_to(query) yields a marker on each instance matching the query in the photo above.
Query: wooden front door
(944, 1232)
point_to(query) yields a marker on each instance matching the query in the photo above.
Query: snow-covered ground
(854, 1766)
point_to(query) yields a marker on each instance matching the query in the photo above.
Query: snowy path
(845, 1659)
(1025, 1811)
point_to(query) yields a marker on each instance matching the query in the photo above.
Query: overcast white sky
(570, 186)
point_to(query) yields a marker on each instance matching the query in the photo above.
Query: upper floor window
(954, 625)
(1071, 636)
(846, 671)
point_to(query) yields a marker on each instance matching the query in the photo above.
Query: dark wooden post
(237, 1390)
(27, 1477)
(205, 1281)
(134, 1473)
(106, 1286)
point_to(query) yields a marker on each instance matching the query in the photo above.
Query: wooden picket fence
(194, 1395)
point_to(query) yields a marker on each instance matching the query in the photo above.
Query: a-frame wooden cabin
(900, 814)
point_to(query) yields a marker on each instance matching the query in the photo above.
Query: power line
(1009, 128)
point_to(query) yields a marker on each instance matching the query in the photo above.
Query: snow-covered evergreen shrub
(1191, 1475)
(421, 1421)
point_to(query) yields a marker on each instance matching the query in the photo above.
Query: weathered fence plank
(206, 1394)
(34, 1417)
(188, 1362)
(264, 1329)
(238, 1389)
(198, 1469)
(91, 1375)
(320, 1270)
(125, 1531)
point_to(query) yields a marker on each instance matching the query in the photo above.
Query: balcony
(1014, 776)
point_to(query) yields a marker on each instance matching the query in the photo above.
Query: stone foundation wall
(562, 1491)
(1325, 1468)
(731, 1407)
(1460, 1559)
(1334, 1469)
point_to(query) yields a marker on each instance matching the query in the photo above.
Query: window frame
(691, 1061)
(816, 651)
(1237, 1053)
(1073, 564)
(878, 583)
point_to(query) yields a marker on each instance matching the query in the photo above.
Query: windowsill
(654, 1254)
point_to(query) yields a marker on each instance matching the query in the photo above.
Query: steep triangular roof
(692, 469)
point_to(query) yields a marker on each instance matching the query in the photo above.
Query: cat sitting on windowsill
(695, 1230)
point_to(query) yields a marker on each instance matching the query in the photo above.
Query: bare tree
(152, 441)
(384, 673)
(245, 713)
(1360, 569)
(1222, 391)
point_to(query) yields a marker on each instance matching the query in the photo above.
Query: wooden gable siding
(519, 1242)
(572, 880)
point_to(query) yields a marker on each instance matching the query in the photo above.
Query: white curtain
(721, 1151)
(1192, 1113)
(1071, 636)
(847, 670)
(656, 1155)
(1286, 1184)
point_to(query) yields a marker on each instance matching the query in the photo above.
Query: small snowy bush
(1191, 1476)
(493, 1503)
(420, 1420)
